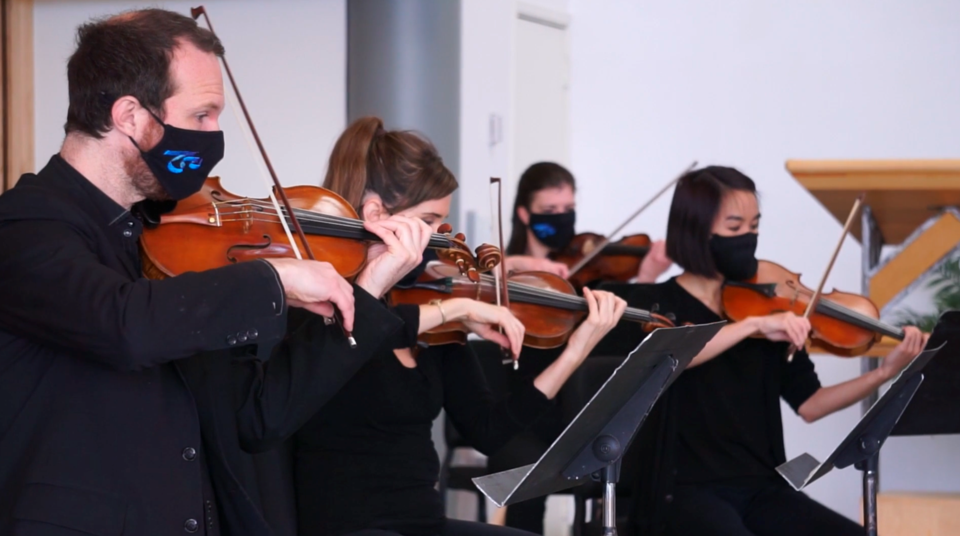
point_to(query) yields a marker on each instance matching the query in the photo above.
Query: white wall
(289, 60)
(751, 84)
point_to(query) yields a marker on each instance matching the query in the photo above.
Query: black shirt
(719, 421)
(367, 460)
(98, 430)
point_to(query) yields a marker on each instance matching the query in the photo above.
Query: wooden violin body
(842, 323)
(619, 261)
(546, 304)
(215, 228)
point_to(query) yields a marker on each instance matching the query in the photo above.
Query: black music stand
(596, 439)
(861, 447)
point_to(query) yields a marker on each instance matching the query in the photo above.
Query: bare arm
(836, 397)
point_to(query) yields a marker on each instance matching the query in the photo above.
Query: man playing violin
(710, 449)
(117, 392)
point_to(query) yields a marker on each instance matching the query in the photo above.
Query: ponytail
(347, 169)
(400, 166)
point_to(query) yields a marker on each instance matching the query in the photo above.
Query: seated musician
(544, 218)
(543, 222)
(711, 447)
(366, 463)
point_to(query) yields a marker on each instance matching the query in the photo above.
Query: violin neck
(522, 293)
(338, 229)
(840, 312)
(624, 249)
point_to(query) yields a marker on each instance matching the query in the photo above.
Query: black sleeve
(57, 292)
(306, 370)
(407, 336)
(799, 381)
(484, 420)
(626, 336)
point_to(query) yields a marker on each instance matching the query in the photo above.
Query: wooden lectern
(913, 205)
(910, 203)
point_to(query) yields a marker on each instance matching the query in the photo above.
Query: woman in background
(544, 218)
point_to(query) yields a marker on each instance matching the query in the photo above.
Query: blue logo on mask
(543, 230)
(183, 159)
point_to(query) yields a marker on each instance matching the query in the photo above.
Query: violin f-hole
(247, 247)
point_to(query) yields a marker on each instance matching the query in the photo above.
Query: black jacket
(111, 422)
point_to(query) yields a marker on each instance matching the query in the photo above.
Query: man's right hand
(317, 287)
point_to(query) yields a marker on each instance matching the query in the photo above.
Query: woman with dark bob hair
(710, 450)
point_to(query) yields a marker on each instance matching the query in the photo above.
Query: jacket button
(231, 340)
(242, 337)
(668, 498)
(189, 454)
(252, 334)
(191, 525)
(127, 233)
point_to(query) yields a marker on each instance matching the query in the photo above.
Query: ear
(524, 215)
(126, 114)
(372, 209)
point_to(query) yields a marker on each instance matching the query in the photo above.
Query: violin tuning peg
(461, 237)
(473, 275)
(671, 317)
(446, 228)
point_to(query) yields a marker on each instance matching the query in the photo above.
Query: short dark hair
(696, 201)
(127, 54)
(539, 176)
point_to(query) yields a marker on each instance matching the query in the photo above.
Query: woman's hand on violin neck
(527, 263)
(404, 241)
(485, 319)
(654, 263)
(914, 341)
(315, 286)
(605, 310)
(783, 327)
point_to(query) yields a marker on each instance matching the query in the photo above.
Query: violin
(546, 304)
(842, 323)
(618, 261)
(215, 228)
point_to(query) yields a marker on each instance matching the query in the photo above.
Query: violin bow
(196, 12)
(812, 304)
(500, 276)
(606, 240)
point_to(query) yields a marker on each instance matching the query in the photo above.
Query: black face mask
(735, 256)
(411, 278)
(554, 230)
(183, 158)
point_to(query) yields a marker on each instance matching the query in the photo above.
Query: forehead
(196, 74)
(560, 195)
(739, 203)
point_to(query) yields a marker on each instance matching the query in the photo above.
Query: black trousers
(455, 527)
(767, 510)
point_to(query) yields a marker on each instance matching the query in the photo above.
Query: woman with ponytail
(366, 463)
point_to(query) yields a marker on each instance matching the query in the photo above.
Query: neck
(535, 248)
(705, 289)
(102, 166)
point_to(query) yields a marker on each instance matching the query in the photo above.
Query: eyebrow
(434, 214)
(209, 106)
(740, 218)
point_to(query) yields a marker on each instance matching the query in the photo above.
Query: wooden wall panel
(16, 116)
